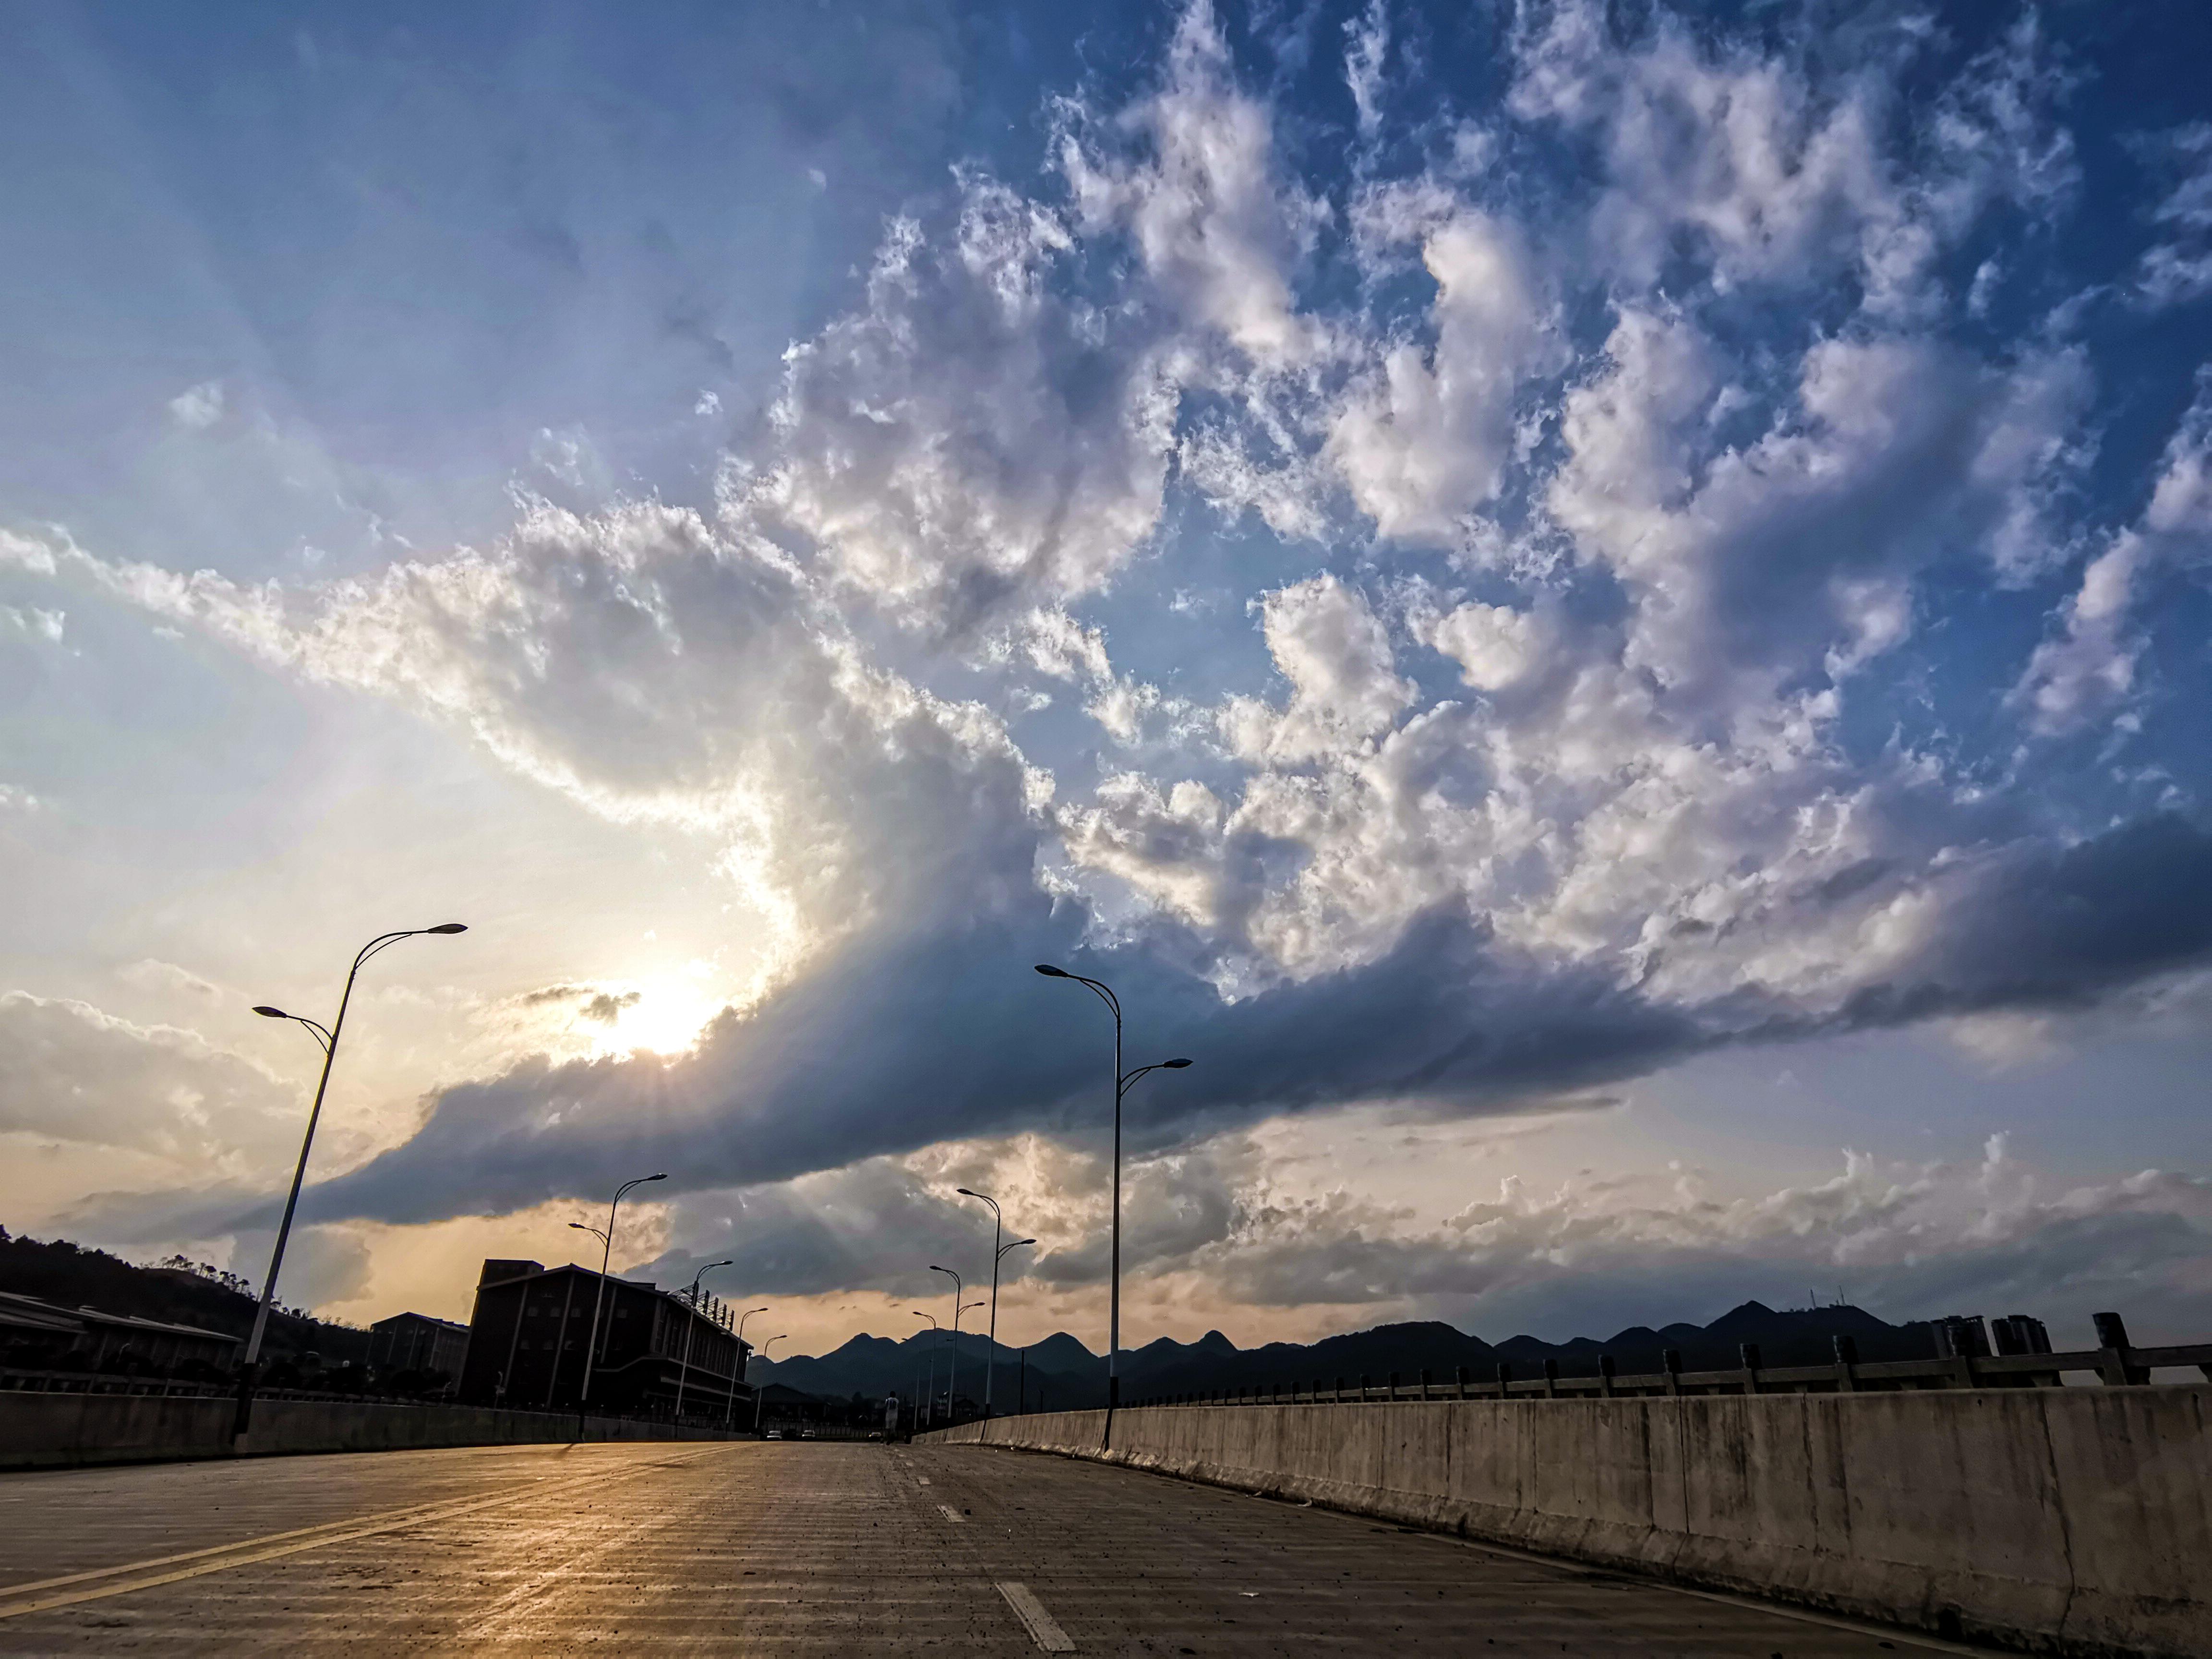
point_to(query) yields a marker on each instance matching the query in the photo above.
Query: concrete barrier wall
(2074, 1521)
(58, 1430)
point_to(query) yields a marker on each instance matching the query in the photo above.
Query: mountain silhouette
(1067, 1375)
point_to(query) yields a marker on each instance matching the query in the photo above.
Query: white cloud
(971, 442)
(1424, 438)
(1216, 223)
(2088, 667)
(199, 407)
(1494, 645)
(1366, 48)
(38, 625)
(2178, 268)
(78, 1074)
(1327, 642)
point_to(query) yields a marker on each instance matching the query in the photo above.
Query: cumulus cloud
(79, 1075)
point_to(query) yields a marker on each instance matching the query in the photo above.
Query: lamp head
(581, 1228)
(663, 1175)
(1051, 972)
(449, 928)
(267, 1012)
(1173, 1065)
(966, 1192)
(1018, 1242)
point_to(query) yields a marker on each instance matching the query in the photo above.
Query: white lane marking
(951, 1514)
(1040, 1624)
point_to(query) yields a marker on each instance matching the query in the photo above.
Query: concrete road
(791, 1549)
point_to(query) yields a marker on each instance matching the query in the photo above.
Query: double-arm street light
(998, 1255)
(1123, 1080)
(951, 1388)
(683, 1367)
(758, 1393)
(328, 1037)
(968, 1309)
(930, 1396)
(598, 1298)
(744, 1363)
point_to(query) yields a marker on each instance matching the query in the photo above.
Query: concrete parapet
(60, 1430)
(2074, 1521)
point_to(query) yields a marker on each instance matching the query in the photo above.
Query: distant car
(808, 1434)
(875, 1434)
(773, 1434)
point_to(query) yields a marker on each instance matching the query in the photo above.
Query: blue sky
(1601, 611)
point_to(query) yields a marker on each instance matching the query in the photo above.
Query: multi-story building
(532, 1326)
(416, 1342)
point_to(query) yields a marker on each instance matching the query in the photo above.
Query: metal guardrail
(2114, 1367)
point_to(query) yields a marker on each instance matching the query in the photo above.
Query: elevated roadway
(792, 1548)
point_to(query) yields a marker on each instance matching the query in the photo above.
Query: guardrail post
(2115, 1352)
(1605, 1375)
(1363, 1386)
(1424, 1383)
(1670, 1362)
(1394, 1386)
(1748, 1352)
(1340, 1392)
(1847, 1359)
(1459, 1376)
(1551, 1379)
(1504, 1380)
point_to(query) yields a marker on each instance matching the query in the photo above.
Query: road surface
(789, 1548)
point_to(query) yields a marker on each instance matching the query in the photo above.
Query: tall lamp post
(953, 1385)
(998, 1255)
(744, 1363)
(764, 1347)
(950, 1397)
(1123, 1080)
(329, 1040)
(931, 1397)
(684, 1367)
(598, 1298)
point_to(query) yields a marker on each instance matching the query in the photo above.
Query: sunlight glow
(666, 1018)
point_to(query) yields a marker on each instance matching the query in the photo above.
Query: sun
(662, 1015)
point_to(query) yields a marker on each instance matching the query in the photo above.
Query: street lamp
(744, 1363)
(683, 1366)
(1122, 1081)
(920, 1396)
(998, 1255)
(953, 1385)
(950, 1397)
(764, 1347)
(606, 1255)
(329, 1040)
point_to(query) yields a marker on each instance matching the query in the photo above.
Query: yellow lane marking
(16, 1600)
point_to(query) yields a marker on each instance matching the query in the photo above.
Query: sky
(1604, 613)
